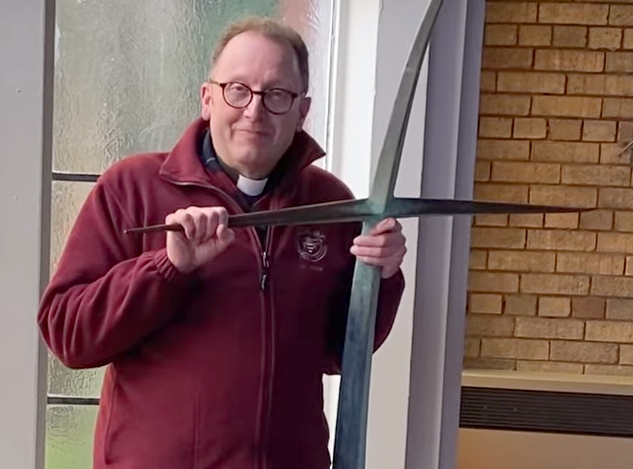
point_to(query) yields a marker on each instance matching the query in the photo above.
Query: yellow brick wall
(554, 292)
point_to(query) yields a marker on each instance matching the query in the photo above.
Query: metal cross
(351, 427)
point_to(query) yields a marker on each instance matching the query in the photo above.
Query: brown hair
(271, 29)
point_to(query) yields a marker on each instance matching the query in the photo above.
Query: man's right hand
(205, 236)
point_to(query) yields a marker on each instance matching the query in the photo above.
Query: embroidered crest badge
(311, 244)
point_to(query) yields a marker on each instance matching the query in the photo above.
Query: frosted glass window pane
(127, 74)
(69, 431)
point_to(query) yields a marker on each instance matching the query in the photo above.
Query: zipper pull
(266, 264)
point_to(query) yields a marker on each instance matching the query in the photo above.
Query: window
(127, 76)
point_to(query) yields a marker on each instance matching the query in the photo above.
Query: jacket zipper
(268, 322)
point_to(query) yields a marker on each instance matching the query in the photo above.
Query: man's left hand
(384, 247)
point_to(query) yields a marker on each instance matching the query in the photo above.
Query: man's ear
(304, 107)
(206, 101)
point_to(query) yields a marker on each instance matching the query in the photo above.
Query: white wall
(24, 138)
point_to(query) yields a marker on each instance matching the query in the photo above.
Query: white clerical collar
(251, 187)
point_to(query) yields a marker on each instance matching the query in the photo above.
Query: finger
(225, 236)
(388, 224)
(370, 251)
(211, 226)
(184, 219)
(383, 240)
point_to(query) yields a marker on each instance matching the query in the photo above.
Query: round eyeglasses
(238, 96)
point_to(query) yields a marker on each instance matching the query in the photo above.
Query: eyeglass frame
(262, 93)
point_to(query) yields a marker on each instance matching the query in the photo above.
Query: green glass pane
(128, 73)
(69, 432)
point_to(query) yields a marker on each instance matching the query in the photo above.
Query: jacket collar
(183, 165)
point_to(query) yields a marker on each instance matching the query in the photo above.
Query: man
(216, 339)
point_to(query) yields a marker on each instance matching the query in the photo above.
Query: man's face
(252, 140)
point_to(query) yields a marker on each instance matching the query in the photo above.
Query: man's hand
(206, 235)
(384, 247)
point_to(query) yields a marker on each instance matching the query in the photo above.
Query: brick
(501, 35)
(532, 220)
(489, 364)
(485, 303)
(570, 36)
(515, 348)
(595, 175)
(612, 286)
(488, 80)
(495, 127)
(554, 284)
(590, 263)
(609, 331)
(532, 128)
(545, 173)
(600, 220)
(563, 240)
(609, 370)
(498, 238)
(627, 42)
(501, 193)
(531, 82)
(535, 35)
(505, 105)
(485, 325)
(549, 367)
(619, 62)
(522, 261)
(624, 221)
(609, 85)
(564, 129)
(478, 259)
(503, 149)
(628, 267)
(550, 306)
(618, 107)
(564, 195)
(489, 282)
(566, 152)
(619, 308)
(499, 58)
(568, 60)
(491, 220)
(605, 38)
(520, 305)
(471, 347)
(482, 170)
(585, 352)
(599, 131)
(549, 328)
(561, 220)
(566, 106)
(615, 242)
(626, 354)
(625, 132)
(621, 15)
(611, 153)
(615, 198)
(588, 308)
(511, 12)
(565, 13)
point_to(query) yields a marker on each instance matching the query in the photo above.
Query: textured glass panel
(128, 73)
(69, 431)
(313, 20)
(67, 199)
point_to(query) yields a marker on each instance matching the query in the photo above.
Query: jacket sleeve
(106, 294)
(389, 297)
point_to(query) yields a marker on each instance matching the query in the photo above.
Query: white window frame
(372, 41)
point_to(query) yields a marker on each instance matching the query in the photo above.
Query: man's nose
(256, 107)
